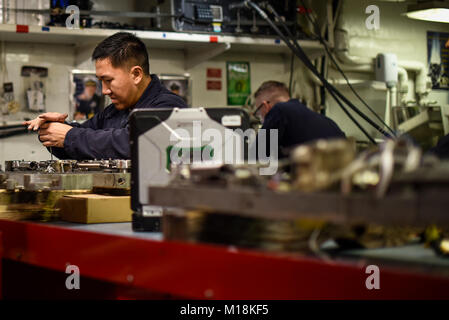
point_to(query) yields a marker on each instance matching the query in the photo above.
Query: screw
(209, 293)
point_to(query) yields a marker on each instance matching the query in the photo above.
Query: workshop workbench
(115, 262)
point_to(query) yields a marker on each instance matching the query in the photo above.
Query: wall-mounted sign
(438, 59)
(86, 98)
(213, 84)
(213, 72)
(239, 82)
(179, 84)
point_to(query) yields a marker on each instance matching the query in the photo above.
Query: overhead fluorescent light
(436, 11)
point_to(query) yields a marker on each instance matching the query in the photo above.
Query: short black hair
(271, 86)
(123, 49)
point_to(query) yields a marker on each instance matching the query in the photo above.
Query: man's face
(263, 105)
(90, 90)
(117, 83)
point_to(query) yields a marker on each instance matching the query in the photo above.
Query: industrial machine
(217, 16)
(31, 189)
(162, 138)
(66, 174)
(330, 200)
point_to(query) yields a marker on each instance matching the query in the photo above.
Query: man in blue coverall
(296, 124)
(122, 66)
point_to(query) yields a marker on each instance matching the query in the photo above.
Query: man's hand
(52, 134)
(37, 123)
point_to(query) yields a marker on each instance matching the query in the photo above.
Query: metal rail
(414, 209)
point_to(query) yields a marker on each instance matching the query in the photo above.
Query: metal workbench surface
(119, 229)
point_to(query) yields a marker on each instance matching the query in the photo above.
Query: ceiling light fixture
(436, 11)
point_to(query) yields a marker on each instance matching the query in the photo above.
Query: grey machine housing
(153, 134)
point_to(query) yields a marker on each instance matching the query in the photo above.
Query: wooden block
(95, 208)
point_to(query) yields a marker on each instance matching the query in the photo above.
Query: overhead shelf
(198, 47)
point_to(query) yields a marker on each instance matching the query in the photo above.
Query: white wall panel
(397, 34)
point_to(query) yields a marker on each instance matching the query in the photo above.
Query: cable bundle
(341, 100)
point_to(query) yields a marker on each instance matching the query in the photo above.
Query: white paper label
(231, 121)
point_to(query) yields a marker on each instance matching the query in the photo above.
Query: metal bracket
(199, 54)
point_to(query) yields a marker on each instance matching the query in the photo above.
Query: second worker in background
(296, 124)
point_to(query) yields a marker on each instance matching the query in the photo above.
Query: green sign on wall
(239, 82)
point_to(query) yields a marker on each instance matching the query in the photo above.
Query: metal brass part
(319, 165)
(32, 205)
(67, 166)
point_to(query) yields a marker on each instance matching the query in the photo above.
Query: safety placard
(239, 82)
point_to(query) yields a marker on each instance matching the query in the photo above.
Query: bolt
(208, 293)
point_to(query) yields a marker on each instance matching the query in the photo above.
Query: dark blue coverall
(442, 148)
(106, 135)
(297, 124)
